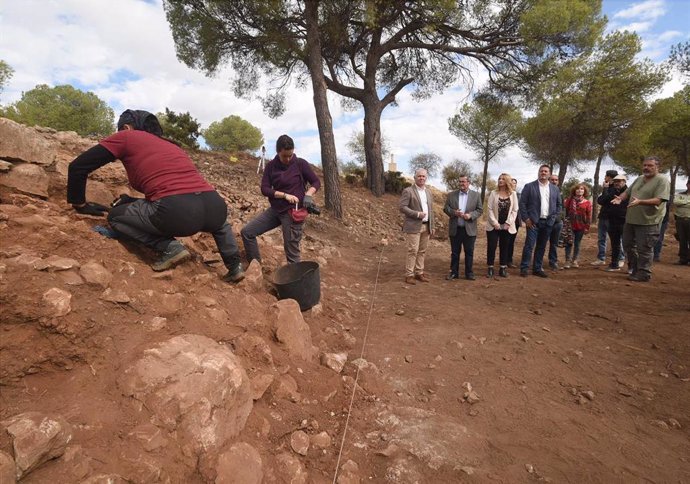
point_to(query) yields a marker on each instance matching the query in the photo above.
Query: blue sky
(123, 51)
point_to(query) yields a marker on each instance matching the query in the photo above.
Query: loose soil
(581, 377)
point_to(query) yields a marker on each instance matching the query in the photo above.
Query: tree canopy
(63, 108)
(6, 73)
(233, 134)
(431, 162)
(181, 128)
(452, 172)
(488, 126)
(370, 51)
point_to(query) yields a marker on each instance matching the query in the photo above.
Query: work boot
(410, 280)
(490, 272)
(234, 275)
(503, 271)
(172, 256)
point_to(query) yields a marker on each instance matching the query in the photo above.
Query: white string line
(361, 355)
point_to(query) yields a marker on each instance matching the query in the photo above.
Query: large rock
(7, 469)
(290, 469)
(99, 192)
(95, 273)
(291, 330)
(36, 438)
(17, 142)
(195, 388)
(240, 464)
(254, 277)
(27, 178)
(57, 301)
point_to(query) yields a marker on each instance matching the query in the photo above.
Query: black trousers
(156, 224)
(458, 242)
(615, 231)
(500, 238)
(511, 245)
(683, 232)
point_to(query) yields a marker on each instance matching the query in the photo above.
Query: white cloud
(651, 9)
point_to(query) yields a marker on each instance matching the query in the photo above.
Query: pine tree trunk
(595, 188)
(372, 146)
(324, 121)
(485, 175)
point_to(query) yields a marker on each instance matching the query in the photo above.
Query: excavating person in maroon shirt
(178, 201)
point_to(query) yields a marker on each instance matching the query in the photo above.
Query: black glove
(91, 208)
(308, 201)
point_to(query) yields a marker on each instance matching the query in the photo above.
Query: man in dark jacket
(540, 204)
(603, 223)
(179, 201)
(615, 219)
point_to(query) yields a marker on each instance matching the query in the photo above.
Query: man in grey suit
(416, 203)
(463, 207)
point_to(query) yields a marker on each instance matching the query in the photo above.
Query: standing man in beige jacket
(416, 203)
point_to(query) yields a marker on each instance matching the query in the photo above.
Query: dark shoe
(512, 266)
(451, 276)
(410, 280)
(639, 278)
(422, 277)
(523, 273)
(682, 263)
(490, 272)
(175, 254)
(554, 267)
(234, 276)
(540, 274)
(470, 276)
(657, 259)
(503, 271)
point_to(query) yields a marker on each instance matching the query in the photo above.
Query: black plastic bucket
(300, 281)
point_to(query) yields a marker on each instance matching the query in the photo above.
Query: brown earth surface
(581, 377)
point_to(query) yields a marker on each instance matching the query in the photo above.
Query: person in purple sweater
(284, 183)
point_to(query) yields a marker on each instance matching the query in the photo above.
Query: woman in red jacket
(578, 217)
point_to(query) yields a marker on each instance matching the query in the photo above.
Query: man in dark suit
(463, 207)
(540, 204)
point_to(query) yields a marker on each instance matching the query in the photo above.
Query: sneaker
(598, 262)
(575, 264)
(639, 278)
(566, 265)
(234, 276)
(621, 263)
(630, 271)
(554, 267)
(613, 269)
(175, 254)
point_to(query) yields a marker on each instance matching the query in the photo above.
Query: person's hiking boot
(235, 275)
(410, 280)
(639, 277)
(490, 272)
(503, 271)
(175, 254)
(422, 277)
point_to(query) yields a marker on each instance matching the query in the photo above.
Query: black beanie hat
(611, 173)
(141, 121)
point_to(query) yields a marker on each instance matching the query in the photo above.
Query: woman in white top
(502, 211)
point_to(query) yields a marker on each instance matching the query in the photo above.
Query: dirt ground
(581, 377)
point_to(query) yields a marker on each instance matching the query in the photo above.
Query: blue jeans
(536, 239)
(577, 238)
(553, 242)
(602, 230)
